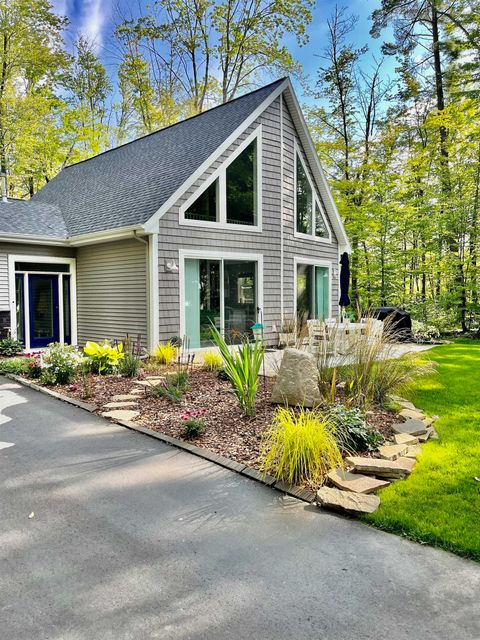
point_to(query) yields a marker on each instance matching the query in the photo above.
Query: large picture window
(233, 198)
(311, 219)
(222, 293)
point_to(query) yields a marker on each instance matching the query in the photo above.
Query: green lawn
(439, 503)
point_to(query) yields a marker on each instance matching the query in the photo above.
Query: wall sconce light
(171, 266)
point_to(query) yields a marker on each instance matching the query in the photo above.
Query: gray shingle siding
(112, 291)
(173, 236)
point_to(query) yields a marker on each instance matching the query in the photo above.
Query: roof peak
(175, 124)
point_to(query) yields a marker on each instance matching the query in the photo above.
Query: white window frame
(220, 174)
(315, 201)
(12, 258)
(312, 263)
(187, 254)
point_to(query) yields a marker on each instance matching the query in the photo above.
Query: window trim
(316, 200)
(184, 254)
(312, 263)
(72, 262)
(220, 174)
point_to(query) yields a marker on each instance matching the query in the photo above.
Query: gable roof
(125, 186)
(32, 218)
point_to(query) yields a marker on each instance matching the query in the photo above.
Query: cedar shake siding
(174, 236)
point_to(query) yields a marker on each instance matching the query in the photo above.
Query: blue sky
(95, 19)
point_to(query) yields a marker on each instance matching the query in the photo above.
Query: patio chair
(320, 336)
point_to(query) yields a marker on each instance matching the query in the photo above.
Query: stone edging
(297, 492)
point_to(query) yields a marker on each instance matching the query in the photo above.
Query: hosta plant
(103, 357)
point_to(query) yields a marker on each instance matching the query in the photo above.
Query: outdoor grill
(399, 320)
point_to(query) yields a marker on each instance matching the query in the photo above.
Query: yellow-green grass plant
(439, 503)
(300, 446)
(165, 353)
(242, 364)
(212, 361)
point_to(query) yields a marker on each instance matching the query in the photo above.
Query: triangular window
(205, 207)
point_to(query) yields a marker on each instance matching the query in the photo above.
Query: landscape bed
(228, 432)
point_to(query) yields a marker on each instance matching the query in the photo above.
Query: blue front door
(43, 307)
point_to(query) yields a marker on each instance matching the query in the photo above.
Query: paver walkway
(131, 539)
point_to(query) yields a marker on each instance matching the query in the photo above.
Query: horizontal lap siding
(112, 291)
(24, 249)
(173, 236)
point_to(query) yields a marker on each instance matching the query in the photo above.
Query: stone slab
(392, 451)
(355, 482)
(121, 414)
(347, 501)
(121, 405)
(412, 427)
(405, 438)
(414, 414)
(378, 467)
(125, 396)
(413, 451)
(407, 462)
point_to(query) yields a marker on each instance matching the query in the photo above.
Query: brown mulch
(228, 431)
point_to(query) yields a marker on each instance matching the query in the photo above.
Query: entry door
(44, 312)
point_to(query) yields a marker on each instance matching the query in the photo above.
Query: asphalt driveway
(133, 539)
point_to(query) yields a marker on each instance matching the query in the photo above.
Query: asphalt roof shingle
(127, 185)
(32, 218)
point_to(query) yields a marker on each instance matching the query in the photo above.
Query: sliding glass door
(222, 293)
(313, 292)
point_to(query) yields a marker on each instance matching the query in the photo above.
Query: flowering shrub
(193, 422)
(423, 332)
(103, 358)
(34, 367)
(60, 363)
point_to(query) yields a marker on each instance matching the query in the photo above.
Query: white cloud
(92, 20)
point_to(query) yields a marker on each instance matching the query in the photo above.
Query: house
(225, 217)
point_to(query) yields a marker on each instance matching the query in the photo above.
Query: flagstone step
(413, 451)
(405, 438)
(355, 482)
(412, 427)
(121, 405)
(125, 396)
(389, 469)
(347, 501)
(121, 414)
(414, 414)
(392, 451)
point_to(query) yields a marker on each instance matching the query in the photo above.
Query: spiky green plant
(241, 365)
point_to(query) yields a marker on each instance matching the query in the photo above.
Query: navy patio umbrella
(344, 280)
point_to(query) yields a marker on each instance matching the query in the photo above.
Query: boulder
(355, 482)
(297, 380)
(394, 469)
(346, 501)
(411, 427)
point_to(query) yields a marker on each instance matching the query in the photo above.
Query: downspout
(152, 288)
